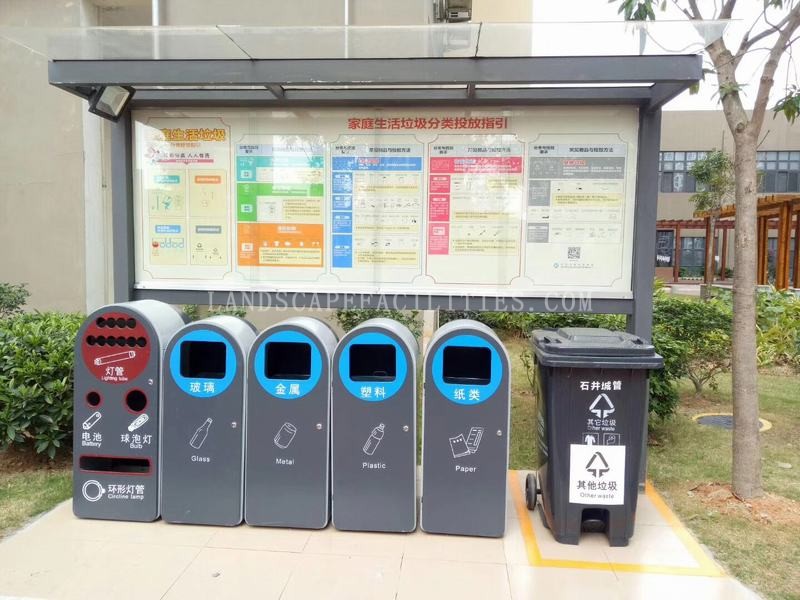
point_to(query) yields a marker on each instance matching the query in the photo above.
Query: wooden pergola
(678, 225)
(785, 208)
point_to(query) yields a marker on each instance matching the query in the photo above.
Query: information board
(517, 202)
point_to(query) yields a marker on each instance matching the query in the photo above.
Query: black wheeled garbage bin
(592, 401)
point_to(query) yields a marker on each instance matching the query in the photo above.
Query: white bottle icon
(200, 435)
(374, 440)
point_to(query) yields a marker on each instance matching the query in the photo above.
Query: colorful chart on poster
(280, 202)
(185, 194)
(520, 202)
(376, 209)
(475, 189)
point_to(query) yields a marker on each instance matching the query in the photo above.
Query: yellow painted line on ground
(707, 568)
(680, 530)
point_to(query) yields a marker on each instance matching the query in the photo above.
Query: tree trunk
(746, 441)
(711, 265)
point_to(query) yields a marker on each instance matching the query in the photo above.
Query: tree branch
(768, 74)
(683, 9)
(727, 9)
(732, 107)
(748, 42)
(696, 11)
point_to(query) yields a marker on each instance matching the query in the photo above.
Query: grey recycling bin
(287, 447)
(203, 422)
(373, 448)
(467, 395)
(592, 402)
(118, 354)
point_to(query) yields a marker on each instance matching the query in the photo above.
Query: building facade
(687, 136)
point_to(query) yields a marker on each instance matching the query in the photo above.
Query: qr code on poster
(574, 252)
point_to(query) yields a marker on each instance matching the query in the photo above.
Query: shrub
(193, 312)
(36, 380)
(349, 318)
(702, 328)
(778, 328)
(521, 324)
(664, 396)
(12, 298)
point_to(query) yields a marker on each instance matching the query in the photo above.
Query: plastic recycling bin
(287, 446)
(203, 422)
(591, 409)
(373, 445)
(118, 353)
(466, 407)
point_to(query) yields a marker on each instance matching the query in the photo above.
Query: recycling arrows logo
(597, 465)
(602, 406)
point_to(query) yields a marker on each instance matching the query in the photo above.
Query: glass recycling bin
(203, 422)
(373, 446)
(287, 447)
(118, 353)
(591, 409)
(466, 408)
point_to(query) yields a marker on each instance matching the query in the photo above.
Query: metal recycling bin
(592, 403)
(466, 411)
(287, 441)
(373, 433)
(118, 353)
(203, 422)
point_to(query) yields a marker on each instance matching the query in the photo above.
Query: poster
(376, 208)
(576, 210)
(184, 187)
(280, 207)
(524, 202)
(475, 195)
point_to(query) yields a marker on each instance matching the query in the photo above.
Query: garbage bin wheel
(531, 490)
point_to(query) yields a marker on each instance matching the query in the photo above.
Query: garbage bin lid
(594, 346)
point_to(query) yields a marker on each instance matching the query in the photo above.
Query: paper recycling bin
(118, 353)
(373, 404)
(203, 422)
(592, 402)
(467, 396)
(287, 444)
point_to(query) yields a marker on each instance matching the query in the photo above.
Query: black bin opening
(114, 464)
(373, 362)
(205, 360)
(467, 365)
(288, 360)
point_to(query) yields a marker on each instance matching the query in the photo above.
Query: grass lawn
(29, 486)
(759, 545)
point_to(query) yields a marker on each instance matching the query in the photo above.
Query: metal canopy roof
(470, 63)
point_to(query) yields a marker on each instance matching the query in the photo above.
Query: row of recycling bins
(212, 423)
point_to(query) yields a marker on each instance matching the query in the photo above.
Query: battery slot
(288, 360)
(467, 365)
(114, 464)
(205, 360)
(373, 362)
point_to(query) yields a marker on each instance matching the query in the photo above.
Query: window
(779, 171)
(693, 256)
(665, 247)
(673, 169)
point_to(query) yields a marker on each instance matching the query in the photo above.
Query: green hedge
(36, 380)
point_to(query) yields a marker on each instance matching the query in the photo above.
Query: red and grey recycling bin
(591, 406)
